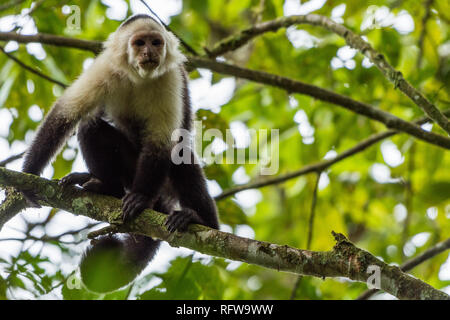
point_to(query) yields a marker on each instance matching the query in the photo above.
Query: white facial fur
(119, 43)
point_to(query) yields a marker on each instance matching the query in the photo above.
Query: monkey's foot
(181, 219)
(133, 204)
(75, 178)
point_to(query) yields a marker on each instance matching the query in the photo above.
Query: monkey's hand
(133, 204)
(75, 178)
(181, 219)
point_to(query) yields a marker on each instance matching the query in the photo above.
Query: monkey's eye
(139, 42)
(157, 42)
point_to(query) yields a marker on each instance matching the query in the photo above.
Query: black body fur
(48, 141)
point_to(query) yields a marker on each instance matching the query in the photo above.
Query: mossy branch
(345, 260)
(296, 86)
(317, 166)
(353, 40)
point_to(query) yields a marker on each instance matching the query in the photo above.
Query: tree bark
(345, 260)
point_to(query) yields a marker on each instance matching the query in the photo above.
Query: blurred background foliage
(392, 199)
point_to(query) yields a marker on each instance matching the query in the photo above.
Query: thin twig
(318, 166)
(57, 238)
(11, 159)
(313, 211)
(32, 70)
(423, 32)
(353, 40)
(51, 39)
(260, 11)
(183, 43)
(10, 4)
(409, 196)
(295, 86)
(310, 230)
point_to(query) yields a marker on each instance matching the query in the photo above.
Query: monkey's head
(145, 47)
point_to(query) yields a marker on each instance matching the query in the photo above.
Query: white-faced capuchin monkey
(126, 106)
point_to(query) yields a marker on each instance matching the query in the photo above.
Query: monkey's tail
(113, 261)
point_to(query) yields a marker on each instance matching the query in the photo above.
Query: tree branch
(32, 70)
(312, 215)
(423, 32)
(353, 40)
(318, 166)
(11, 159)
(295, 86)
(414, 262)
(14, 201)
(47, 238)
(345, 260)
(10, 4)
(60, 41)
(13, 204)
(290, 85)
(90, 45)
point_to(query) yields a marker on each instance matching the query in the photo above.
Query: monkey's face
(143, 49)
(147, 51)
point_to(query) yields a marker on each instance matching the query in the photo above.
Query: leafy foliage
(392, 199)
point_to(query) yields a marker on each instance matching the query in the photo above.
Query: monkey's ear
(174, 55)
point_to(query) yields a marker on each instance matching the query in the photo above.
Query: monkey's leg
(197, 205)
(109, 156)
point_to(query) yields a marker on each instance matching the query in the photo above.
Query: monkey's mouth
(149, 63)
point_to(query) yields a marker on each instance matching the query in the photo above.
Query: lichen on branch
(345, 260)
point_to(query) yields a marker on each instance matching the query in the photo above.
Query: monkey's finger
(129, 209)
(183, 223)
(173, 218)
(132, 214)
(168, 224)
(170, 221)
(132, 211)
(127, 214)
(127, 202)
(127, 197)
(178, 220)
(172, 227)
(125, 207)
(179, 224)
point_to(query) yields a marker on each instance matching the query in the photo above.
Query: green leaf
(231, 213)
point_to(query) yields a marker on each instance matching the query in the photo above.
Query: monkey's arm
(50, 136)
(151, 172)
(79, 99)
